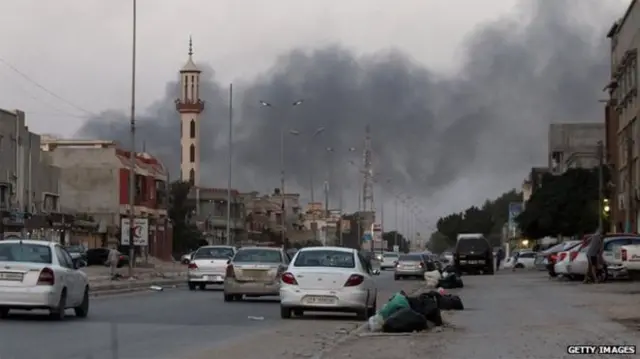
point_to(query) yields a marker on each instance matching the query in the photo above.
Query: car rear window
(258, 256)
(213, 253)
(411, 258)
(472, 245)
(325, 258)
(23, 252)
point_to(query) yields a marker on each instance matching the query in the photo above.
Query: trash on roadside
(156, 288)
(441, 291)
(375, 323)
(428, 307)
(432, 278)
(406, 320)
(397, 302)
(450, 281)
(255, 318)
(446, 301)
(449, 270)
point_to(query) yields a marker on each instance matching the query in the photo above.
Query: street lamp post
(283, 222)
(132, 154)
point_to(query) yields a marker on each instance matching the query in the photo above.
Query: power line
(37, 84)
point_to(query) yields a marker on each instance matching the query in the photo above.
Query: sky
(458, 94)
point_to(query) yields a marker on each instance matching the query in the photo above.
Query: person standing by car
(112, 259)
(516, 256)
(499, 257)
(594, 253)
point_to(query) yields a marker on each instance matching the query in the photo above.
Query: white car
(208, 265)
(611, 254)
(526, 259)
(328, 279)
(41, 275)
(563, 260)
(389, 260)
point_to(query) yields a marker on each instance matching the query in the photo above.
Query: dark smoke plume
(447, 141)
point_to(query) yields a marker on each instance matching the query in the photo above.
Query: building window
(192, 153)
(192, 129)
(192, 176)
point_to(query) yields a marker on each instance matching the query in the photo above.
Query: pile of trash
(405, 314)
(450, 279)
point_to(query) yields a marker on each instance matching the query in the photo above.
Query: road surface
(148, 325)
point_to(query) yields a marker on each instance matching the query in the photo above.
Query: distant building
(533, 181)
(574, 145)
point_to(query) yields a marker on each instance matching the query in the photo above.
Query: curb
(134, 287)
(354, 333)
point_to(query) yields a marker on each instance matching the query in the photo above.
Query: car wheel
(82, 311)
(285, 313)
(202, 286)
(4, 313)
(192, 286)
(58, 312)
(488, 271)
(396, 277)
(238, 297)
(229, 297)
(298, 312)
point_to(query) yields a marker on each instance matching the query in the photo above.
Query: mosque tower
(190, 107)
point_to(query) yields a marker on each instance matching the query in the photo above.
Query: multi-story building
(264, 212)
(29, 184)
(624, 36)
(211, 214)
(616, 214)
(95, 180)
(574, 145)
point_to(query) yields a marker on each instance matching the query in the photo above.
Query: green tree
(186, 235)
(438, 243)
(396, 238)
(564, 205)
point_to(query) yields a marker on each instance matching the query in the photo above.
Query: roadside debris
(255, 318)
(156, 288)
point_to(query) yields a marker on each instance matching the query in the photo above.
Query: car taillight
(421, 265)
(193, 266)
(354, 280)
(573, 256)
(288, 278)
(230, 273)
(563, 255)
(121, 257)
(46, 277)
(552, 258)
(623, 253)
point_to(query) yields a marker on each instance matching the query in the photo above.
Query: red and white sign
(140, 232)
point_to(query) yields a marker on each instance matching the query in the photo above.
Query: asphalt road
(145, 325)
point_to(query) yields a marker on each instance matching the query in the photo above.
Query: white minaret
(190, 106)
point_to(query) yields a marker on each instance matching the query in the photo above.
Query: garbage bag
(397, 302)
(375, 323)
(450, 282)
(406, 320)
(427, 306)
(450, 302)
(433, 275)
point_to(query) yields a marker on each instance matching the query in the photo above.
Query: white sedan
(328, 279)
(41, 275)
(526, 259)
(611, 255)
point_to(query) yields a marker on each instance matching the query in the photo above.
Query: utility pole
(395, 234)
(627, 207)
(600, 186)
(230, 139)
(368, 205)
(132, 154)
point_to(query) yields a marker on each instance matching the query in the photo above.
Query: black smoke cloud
(448, 141)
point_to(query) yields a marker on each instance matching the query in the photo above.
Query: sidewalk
(168, 274)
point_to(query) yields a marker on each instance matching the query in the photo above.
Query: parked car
(473, 253)
(413, 265)
(329, 279)
(611, 254)
(186, 258)
(255, 272)
(546, 259)
(630, 257)
(560, 266)
(526, 259)
(208, 265)
(41, 275)
(100, 256)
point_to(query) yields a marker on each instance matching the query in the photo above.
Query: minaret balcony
(190, 106)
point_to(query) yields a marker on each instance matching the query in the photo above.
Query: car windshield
(325, 258)
(410, 258)
(472, 245)
(258, 256)
(25, 252)
(213, 253)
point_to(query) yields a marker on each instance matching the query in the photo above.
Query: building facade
(212, 213)
(190, 107)
(29, 183)
(624, 37)
(574, 145)
(95, 181)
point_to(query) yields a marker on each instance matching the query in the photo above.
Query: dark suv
(473, 254)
